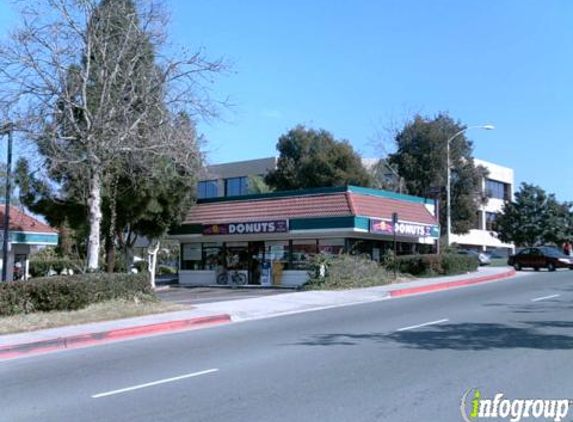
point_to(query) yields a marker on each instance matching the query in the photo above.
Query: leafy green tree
(14, 199)
(313, 158)
(133, 205)
(256, 184)
(535, 218)
(63, 211)
(420, 158)
(100, 92)
(382, 176)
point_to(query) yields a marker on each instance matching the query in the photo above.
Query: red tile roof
(373, 206)
(21, 222)
(326, 205)
(339, 204)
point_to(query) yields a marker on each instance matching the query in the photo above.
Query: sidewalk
(14, 345)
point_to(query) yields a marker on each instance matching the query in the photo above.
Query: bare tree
(90, 82)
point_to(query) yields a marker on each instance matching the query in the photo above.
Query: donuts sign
(256, 227)
(401, 228)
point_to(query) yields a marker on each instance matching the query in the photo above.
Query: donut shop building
(271, 238)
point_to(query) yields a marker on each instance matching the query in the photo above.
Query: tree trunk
(152, 251)
(128, 255)
(65, 241)
(94, 218)
(109, 254)
(110, 237)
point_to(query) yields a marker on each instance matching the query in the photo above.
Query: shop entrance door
(256, 259)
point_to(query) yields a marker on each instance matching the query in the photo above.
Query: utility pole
(394, 224)
(448, 181)
(5, 241)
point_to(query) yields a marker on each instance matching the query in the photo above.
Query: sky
(357, 67)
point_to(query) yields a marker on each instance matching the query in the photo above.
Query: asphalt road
(375, 362)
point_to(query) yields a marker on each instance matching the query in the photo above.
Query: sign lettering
(275, 226)
(403, 229)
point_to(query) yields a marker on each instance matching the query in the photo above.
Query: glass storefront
(212, 255)
(191, 258)
(302, 252)
(281, 255)
(237, 255)
(331, 247)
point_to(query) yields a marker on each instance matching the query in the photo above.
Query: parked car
(480, 256)
(542, 257)
(497, 254)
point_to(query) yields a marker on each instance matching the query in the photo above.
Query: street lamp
(7, 129)
(448, 181)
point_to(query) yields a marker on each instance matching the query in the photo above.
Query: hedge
(42, 267)
(443, 264)
(68, 293)
(345, 271)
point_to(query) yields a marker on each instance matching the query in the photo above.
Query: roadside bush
(141, 266)
(432, 264)
(458, 264)
(68, 293)
(164, 269)
(346, 271)
(42, 267)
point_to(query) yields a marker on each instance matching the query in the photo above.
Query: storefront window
(331, 247)
(237, 255)
(302, 253)
(191, 256)
(212, 255)
(277, 251)
(361, 247)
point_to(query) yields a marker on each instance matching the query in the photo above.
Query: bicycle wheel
(222, 278)
(240, 279)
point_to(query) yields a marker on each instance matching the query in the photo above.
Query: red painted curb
(450, 284)
(82, 340)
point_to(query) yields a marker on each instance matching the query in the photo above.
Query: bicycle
(232, 277)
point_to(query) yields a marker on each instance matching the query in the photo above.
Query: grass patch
(104, 311)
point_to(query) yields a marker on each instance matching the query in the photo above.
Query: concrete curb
(90, 339)
(450, 284)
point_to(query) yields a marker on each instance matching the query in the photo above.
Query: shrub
(346, 271)
(142, 266)
(458, 264)
(428, 265)
(42, 267)
(67, 293)
(164, 269)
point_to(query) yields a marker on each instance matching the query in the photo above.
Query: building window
(212, 255)
(490, 223)
(497, 190)
(479, 221)
(360, 247)
(237, 255)
(207, 189)
(191, 258)
(236, 186)
(302, 253)
(331, 247)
